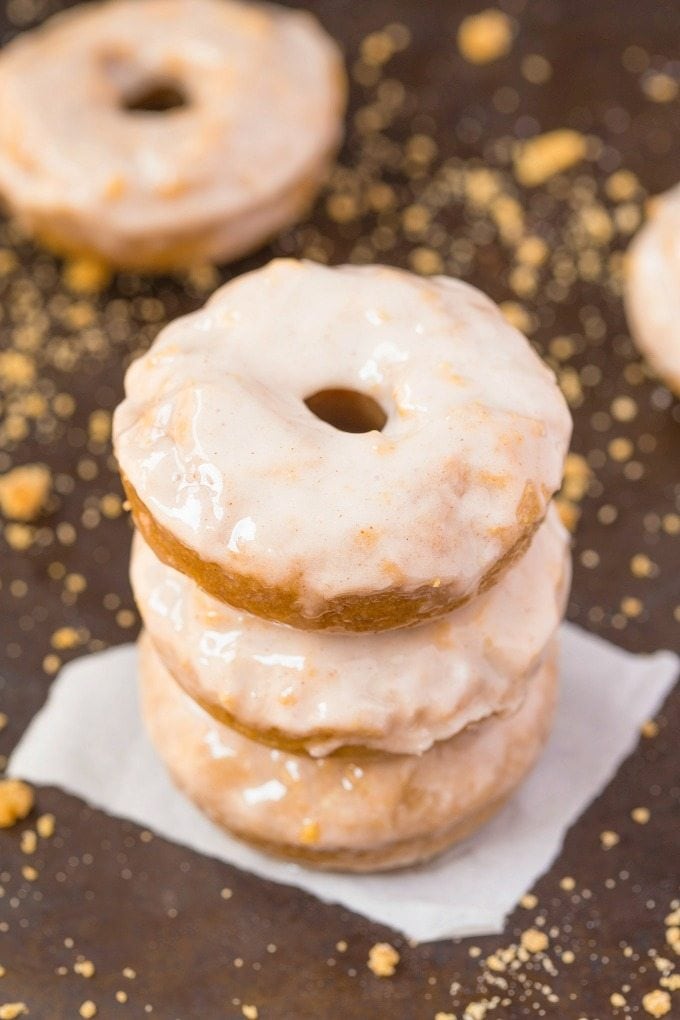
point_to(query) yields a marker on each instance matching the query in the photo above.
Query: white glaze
(397, 691)
(279, 798)
(653, 288)
(220, 447)
(266, 91)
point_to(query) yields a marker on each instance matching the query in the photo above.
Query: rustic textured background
(423, 122)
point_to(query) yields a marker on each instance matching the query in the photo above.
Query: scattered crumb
(11, 1010)
(24, 491)
(45, 826)
(534, 941)
(485, 37)
(3, 721)
(660, 88)
(617, 1000)
(29, 841)
(540, 158)
(383, 959)
(641, 815)
(30, 873)
(250, 1012)
(529, 901)
(609, 839)
(86, 275)
(16, 800)
(65, 637)
(657, 1003)
(84, 967)
(649, 729)
(88, 1009)
(226, 893)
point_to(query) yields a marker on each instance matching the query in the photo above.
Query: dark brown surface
(108, 893)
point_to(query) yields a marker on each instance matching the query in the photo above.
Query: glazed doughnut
(450, 441)
(156, 133)
(398, 691)
(332, 812)
(653, 289)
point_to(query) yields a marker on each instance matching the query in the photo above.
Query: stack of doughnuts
(348, 565)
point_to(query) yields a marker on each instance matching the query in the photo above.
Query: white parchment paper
(88, 739)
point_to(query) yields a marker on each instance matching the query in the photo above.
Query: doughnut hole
(347, 410)
(155, 97)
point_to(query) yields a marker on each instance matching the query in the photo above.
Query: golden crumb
(540, 158)
(88, 1010)
(65, 637)
(567, 883)
(534, 941)
(577, 476)
(568, 956)
(642, 566)
(426, 261)
(310, 832)
(99, 426)
(649, 729)
(657, 1003)
(29, 841)
(529, 901)
(660, 88)
(129, 973)
(250, 1012)
(84, 967)
(24, 491)
(16, 800)
(121, 996)
(383, 959)
(671, 982)
(569, 513)
(16, 369)
(19, 536)
(3, 721)
(45, 826)
(226, 893)
(641, 815)
(11, 1010)
(617, 1000)
(86, 275)
(444, 1016)
(30, 873)
(516, 315)
(476, 1010)
(485, 36)
(609, 839)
